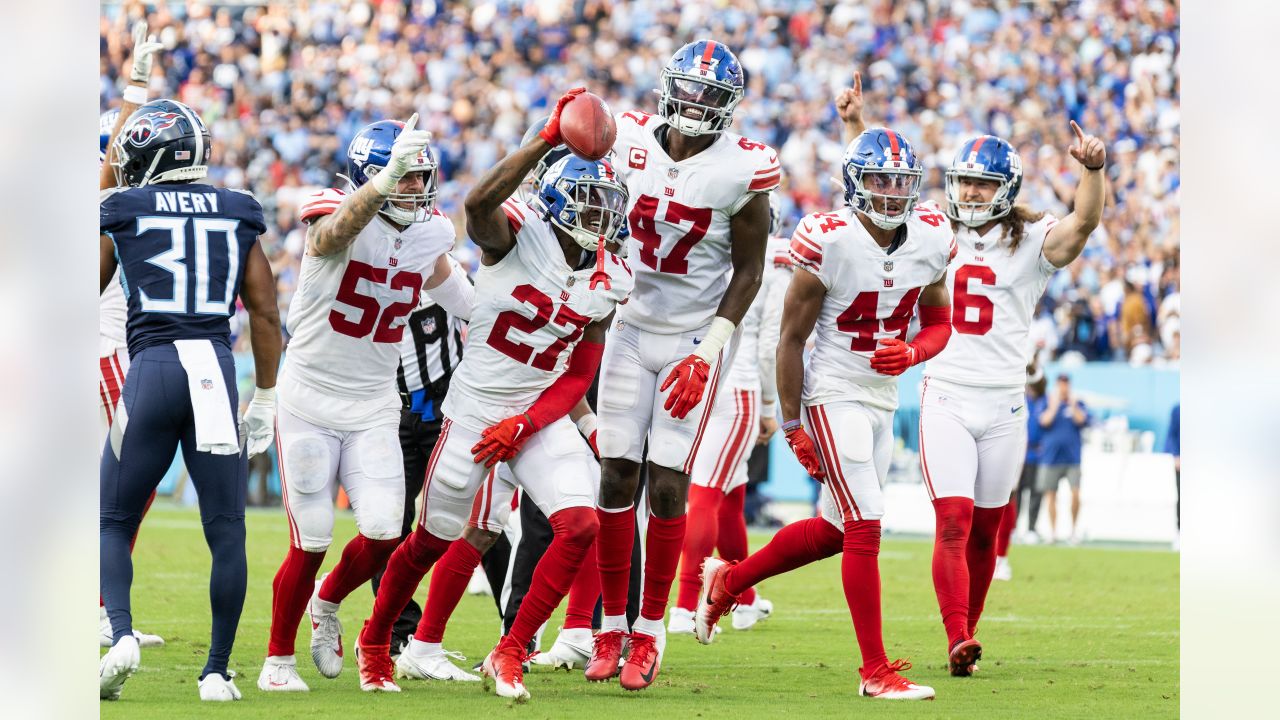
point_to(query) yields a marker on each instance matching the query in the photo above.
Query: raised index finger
(857, 83)
(410, 123)
(1078, 131)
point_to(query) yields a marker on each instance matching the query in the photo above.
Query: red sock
(613, 556)
(795, 545)
(575, 529)
(406, 568)
(699, 541)
(980, 554)
(361, 558)
(662, 546)
(860, 573)
(731, 540)
(448, 585)
(1007, 523)
(292, 588)
(953, 517)
(583, 594)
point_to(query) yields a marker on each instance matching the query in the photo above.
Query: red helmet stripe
(707, 52)
(893, 145)
(973, 152)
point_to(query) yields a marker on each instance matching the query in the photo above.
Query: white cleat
(215, 688)
(887, 684)
(417, 663)
(681, 622)
(479, 583)
(1003, 571)
(117, 666)
(106, 636)
(505, 667)
(280, 674)
(572, 649)
(746, 616)
(326, 636)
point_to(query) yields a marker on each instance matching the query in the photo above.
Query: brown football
(587, 127)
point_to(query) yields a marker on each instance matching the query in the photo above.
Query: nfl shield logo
(570, 283)
(429, 326)
(977, 246)
(673, 173)
(399, 242)
(888, 266)
(207, 384)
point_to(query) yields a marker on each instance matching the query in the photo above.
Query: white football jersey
(531, 310)
(347, 318)
(113, 312)
(758, 342)
(871, 295)
(993, 299)
(678, 213)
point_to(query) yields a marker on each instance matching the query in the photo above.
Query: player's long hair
(1015, 222)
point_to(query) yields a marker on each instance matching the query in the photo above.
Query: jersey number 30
(175, 262)
(545, 312)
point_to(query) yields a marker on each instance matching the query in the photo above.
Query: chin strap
(600, 276)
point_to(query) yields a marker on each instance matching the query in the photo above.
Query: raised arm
(336, 231)
(799, 314)
(1066, 239)
(487, 224)
(135, 93)
(849, 108)
(258, 292)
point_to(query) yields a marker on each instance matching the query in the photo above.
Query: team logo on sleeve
(148, 125)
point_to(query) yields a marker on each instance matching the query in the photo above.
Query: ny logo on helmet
(360, 148)
(148, 125)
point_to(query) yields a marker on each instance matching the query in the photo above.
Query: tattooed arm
(335, 232)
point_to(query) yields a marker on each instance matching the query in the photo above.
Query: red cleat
(505, 666)
(377, 671)
(606, 656)
(714, 602)
(886, 684)
(964, 658)
(642, 663)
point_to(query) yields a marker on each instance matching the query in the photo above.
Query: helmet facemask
(125, 164)
(696, 104)
(594, 210)
(885, 187)
(976, 214)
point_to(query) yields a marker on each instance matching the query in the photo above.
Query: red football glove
(551, 133)
(690, 379)
(895, 357)
(802, 446)
(594, 447)
(500, 442)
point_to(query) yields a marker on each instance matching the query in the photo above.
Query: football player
(743, 417)
(185, 251)
(698, 207)
(370, 252)
(864, 271)
(113, 353)
(973, 416)
(545, 293)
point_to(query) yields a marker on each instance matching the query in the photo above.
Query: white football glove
(258, 425)
(406, 152)
(144, 51)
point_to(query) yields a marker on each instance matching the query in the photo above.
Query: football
(587, 127)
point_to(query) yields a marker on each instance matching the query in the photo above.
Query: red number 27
(545, 312)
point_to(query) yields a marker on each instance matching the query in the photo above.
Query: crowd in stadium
(284, 89)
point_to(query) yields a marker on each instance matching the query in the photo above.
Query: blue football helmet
(162, 141)
(584, 199)
(701, 85)
(528, 188)
(369, 153)
(106, 122)
(879, 165)
(985, 157)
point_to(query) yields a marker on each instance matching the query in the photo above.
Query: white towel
(215, 427)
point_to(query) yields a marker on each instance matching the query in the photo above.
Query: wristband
(769, 410)
(790, 425)
(455, 294)
(384, 182)
(717, 335)
(134, 94)
(264, 396)
(586, 424)
(1094, 169)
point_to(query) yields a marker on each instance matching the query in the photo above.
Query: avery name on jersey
(186, 202)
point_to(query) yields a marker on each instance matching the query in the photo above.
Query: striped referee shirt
(429, 353)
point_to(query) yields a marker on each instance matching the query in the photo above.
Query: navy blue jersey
(182, 249)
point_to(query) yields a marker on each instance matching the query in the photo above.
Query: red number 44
(860, 320)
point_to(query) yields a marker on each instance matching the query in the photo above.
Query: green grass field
(1079, 633)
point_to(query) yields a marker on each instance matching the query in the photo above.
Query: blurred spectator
(1028, 494)
(1063, 418)
(285, 85)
